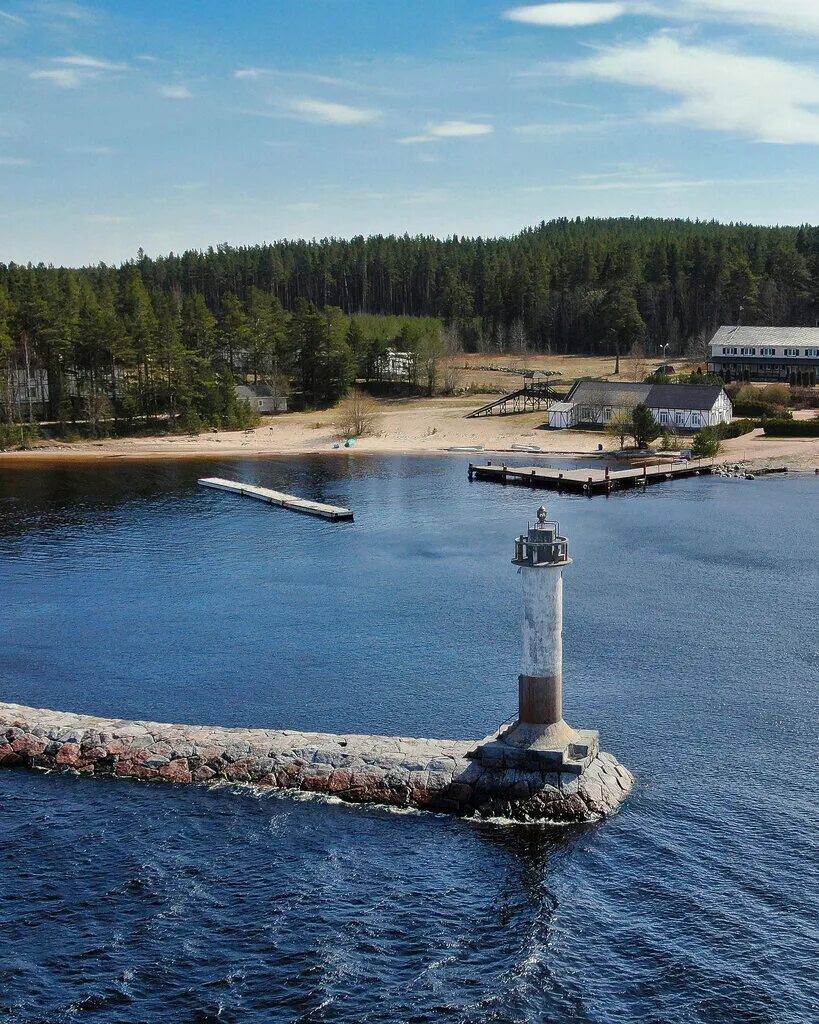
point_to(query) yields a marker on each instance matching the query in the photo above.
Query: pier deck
(290, 501)
(589, 481)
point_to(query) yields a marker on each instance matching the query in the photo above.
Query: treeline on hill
(169, 336)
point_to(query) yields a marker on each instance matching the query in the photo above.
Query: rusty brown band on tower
(540, 699)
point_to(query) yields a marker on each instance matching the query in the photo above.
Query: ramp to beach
(533, 397)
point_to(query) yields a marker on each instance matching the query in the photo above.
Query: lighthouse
(542, 554)
(540, 736)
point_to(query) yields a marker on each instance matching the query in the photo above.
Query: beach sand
(403, 427)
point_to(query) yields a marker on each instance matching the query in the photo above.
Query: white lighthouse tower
(540, 734)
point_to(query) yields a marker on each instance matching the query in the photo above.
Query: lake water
(690, 641)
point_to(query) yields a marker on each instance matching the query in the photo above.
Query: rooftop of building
(655, 396)
(738, 335)
(256, 391)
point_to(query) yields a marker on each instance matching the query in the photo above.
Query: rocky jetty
(435, 775)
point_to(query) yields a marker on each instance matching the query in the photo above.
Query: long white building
(775, 354)
(678, 406)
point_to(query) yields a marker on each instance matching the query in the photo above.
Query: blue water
(691, 642)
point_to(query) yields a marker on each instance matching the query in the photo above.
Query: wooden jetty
(589, 481)
(312, 508)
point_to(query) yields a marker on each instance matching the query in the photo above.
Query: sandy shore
(404, 427)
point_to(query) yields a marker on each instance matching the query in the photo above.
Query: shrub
(190, 422)
(697, 377)
(644, 428)
(671, 442)
(748, 393)
(706, 443)
(357, 415)
(736, 428)
(805, 398)
(791, 428)
(760, 409)
(776, 394)
(18, 435)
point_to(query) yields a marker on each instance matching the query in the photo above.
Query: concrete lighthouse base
(568, 760)
(427, 774)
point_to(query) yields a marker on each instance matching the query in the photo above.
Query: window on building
(663, 416)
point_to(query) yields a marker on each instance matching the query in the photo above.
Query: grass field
(469, 370)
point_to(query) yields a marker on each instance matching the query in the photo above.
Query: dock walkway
(589, 481)
(291, 501)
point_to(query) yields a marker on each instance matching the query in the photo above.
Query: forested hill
(687, 277)
(564, 286)
(550, 281)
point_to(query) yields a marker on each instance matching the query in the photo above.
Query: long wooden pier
(589, 481)
(312, 508)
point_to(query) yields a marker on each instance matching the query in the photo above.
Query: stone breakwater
(434, 775)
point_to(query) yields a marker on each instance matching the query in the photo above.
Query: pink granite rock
(176, 771)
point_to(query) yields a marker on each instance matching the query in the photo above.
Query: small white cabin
(261, 398)
(561, 415)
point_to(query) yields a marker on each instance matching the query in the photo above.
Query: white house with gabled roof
(679, 406)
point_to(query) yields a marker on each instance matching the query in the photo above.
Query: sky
(188, 123)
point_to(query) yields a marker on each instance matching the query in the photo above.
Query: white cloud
(793, 16)
(761, 98)
(448, 130)
(65, 10)
(459, 129)
(63, 78)
(255, 73)
(72, 71)
(566, 15)
(332, 113)
(81, 60)
(789, 15)
(175, 92)
(14, 161)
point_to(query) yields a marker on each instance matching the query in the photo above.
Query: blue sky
(185, 124)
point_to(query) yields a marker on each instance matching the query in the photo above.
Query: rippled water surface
(691, 642)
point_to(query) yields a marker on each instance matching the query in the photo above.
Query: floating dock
(291, 501)
(589, 481)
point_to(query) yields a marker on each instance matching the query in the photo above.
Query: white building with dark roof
(678, 406)
(789, 355)
(261, 398)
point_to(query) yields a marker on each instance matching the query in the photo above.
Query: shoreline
(425, 427)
